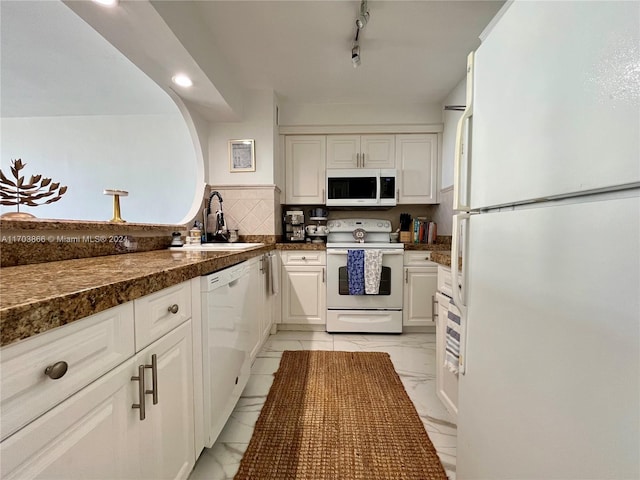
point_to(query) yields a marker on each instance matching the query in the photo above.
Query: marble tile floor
(412, 354)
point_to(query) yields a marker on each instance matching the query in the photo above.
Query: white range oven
(375, 313)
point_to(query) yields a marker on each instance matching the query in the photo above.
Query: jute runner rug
(339, 415)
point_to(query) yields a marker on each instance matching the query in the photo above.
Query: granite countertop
(38, 297)
(41, 296)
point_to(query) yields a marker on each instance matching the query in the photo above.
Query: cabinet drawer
(303, 257)
(161, 312)
(444, 281)
(89, 435)
(90, 347)
(418, 259)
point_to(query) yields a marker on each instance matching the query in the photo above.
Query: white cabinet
(420, 277)
(93, 434)
(417, 166)
(90, 419)
(166, 434)
(361, 151)
(304, 293)
(446, 381)
(305, 157)
(89, 349)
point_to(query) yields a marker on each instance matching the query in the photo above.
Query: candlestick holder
(116, 204)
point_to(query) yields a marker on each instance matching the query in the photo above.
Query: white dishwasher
(225, 344)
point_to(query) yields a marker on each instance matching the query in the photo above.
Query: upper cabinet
(305, 157)
(361, 151)
(417, 166)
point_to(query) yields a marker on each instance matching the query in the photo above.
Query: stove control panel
(366, 224)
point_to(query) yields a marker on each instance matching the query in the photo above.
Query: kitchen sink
(219, 247)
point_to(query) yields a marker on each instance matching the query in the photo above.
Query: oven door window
(343, 188)
(385, 281)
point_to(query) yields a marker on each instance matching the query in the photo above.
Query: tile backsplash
(251, 209)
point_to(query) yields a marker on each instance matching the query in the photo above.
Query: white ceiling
(53, 63)
(412, 51)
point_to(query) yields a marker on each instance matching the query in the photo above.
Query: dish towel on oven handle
(355, 271)
(372, 271)
(454, 331)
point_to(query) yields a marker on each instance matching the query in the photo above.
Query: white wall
(150, 156)
(370, 114)
(450, 118)
(258, 124)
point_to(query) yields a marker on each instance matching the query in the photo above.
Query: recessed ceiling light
(182, 80)
(107, 3)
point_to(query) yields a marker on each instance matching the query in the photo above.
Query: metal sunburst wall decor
(37, 191)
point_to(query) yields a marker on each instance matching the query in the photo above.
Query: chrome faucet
(220, 232)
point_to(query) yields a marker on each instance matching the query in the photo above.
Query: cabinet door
(255, 307)
(446, 381)
(304, 295)
(377, 151)
(419, 292)
(343, 151)
(305, 157)
(167, 433)
(417, 165)
(93, 434)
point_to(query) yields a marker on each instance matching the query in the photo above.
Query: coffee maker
(294, 226)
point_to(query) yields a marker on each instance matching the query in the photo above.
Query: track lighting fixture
(363, 18)
(361, 21)
(355, 55)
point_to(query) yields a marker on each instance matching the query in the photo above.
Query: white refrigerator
(547, 190)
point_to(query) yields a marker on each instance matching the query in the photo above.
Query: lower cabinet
(259, 305)
(166, 434)
(304, 293)
(93, 434)
(420, 285)
(134, 421)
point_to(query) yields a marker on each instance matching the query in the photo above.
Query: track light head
(362, 20)
(355, 55)
(363, 17)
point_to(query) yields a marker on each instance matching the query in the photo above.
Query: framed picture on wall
(242, 157)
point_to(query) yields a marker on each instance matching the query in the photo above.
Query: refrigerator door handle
(456, 278)
(458, 204)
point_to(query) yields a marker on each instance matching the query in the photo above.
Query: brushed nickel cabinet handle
(322, 274)
(56, 371)
(357, 160)
(406, 275)
(434, 302)
(363, 160)
(141, 391)
(174, 308)
(397, 195)
(154, 378)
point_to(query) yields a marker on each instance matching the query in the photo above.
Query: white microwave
(361, 187)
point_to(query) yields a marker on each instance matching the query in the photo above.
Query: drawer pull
(57, 370)
(154, 378)
(173, 308)
(141, 392)
(304, 258)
